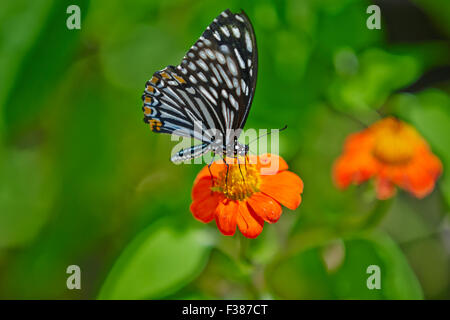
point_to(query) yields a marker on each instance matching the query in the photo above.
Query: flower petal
(268, 164)
(385, 189)
(215, 169)
(201, 189)
(285, 187)
(353, 168)
(248, 222)
(265, 207)
(226, 214)
(421, 175)
(204, 202)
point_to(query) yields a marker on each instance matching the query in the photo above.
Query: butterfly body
(208, 96)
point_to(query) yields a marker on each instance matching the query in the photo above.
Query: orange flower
(248, 197)
(393, 153)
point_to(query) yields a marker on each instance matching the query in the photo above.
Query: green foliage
(84, 181)
(341, 273)
(178, 257)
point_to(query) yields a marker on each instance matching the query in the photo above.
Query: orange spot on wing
(179, 79)
(155, 125)
(154, 80)
(165, 75)
(148, 99)
(147, 111)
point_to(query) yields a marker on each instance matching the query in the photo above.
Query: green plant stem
(374, 218)
(248, 264)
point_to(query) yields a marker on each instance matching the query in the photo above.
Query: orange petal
(204, 202)
(385, 189)
(268, 164)
(215, 169)
(201, 189)
(285, 187)
(420, 179)
(248, 222)
(265, 207)
(226, 214)
(358, 141)
(353, 168)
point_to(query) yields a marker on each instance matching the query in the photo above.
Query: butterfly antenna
(267, 134)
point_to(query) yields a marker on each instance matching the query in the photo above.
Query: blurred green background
(83, 180)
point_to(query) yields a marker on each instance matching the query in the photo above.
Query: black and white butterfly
(209, 95)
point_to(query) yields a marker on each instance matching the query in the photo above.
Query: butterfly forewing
(214, 85)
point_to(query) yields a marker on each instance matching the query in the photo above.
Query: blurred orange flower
(248, 197)
(393, 153)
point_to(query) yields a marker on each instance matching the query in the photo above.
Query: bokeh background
(83, 180)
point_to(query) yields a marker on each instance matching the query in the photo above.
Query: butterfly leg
(209, 169)
(239, 165)
(226, 176)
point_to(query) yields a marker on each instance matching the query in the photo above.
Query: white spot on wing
(232, 66)
(224, 93)
(202, 64)
(208, 95)
(225, 77)
(190, 90)
(192, 79)
(220, 57)
(224, 49)
(216, 73)
(248, 42)
(235, 82)
(210, 54)
(238, 17)
(202, 76)
(233, 102)
(217, 35)
(225, 30)
(236, 32)
(214, 92)
(238, 56)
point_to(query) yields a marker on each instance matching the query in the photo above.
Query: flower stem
(374, 218)
(249, 266)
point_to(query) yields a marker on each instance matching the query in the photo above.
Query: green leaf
(26, 193)
(131, 73)
(379, 74)
(306, 275)
(26, 19)
(158, 262)
(49, 57)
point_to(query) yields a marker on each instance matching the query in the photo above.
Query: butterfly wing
(214, 85)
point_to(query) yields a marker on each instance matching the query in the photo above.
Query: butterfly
(209, 94)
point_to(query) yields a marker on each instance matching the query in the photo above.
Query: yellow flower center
(241, 182)
(394, 142)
